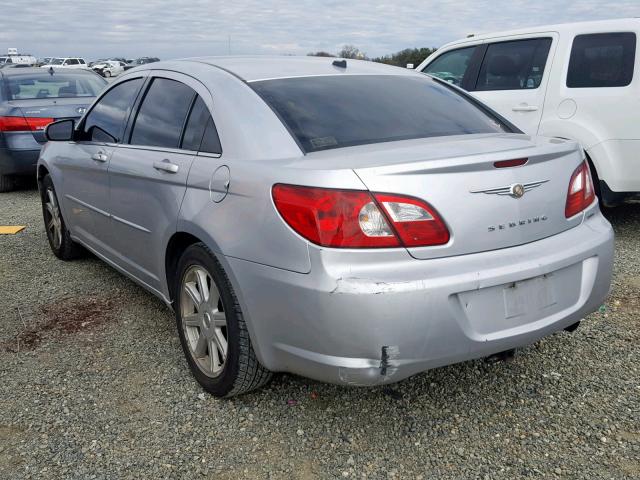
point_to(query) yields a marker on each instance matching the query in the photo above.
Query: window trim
(486, 46)
(591, 34)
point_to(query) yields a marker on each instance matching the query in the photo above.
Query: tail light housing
(23, 124)
(359, 219)
(581, 192)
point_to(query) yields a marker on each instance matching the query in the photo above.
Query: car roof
(619, 24)
(255, 68)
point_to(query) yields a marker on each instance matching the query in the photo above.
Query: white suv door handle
(525, 108)
(99, 157)
(166, 166)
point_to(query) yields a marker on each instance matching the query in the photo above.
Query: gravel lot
(93, 384)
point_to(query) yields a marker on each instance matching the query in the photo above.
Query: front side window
(162, 114)
(602, 60)
(516, 65)
(340, 111)
(451, 66)
(106, 121)
(57, 61)
(72, 61)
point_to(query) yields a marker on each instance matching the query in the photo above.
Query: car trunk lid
(481, 204)
(58, 109)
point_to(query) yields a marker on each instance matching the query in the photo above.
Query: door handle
(525, 108)
(99, 157)
(166, 166)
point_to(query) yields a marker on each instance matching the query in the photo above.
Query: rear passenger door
(513, 77)
(148, 174)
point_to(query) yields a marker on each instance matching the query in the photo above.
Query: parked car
(572, 81)
(74, 62)
(343, 220)
(141, 61)
(108, 68)
(17, 59)
(30, 98)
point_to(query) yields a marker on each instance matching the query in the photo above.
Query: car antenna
(51, 71)
(340, 63)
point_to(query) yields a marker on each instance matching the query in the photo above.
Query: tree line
(399, 59)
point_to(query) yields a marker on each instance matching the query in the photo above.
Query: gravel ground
(93, 384)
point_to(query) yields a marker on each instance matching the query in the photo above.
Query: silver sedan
(343, 220)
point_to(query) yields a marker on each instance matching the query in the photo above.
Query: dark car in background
(141, 61)
(30, 99)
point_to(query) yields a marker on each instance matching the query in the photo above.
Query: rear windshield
(45, 85)
(340, 111)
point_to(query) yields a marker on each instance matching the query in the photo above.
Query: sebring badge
(517, 190)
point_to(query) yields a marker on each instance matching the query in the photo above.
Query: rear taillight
(23, 124)
(359, 219)
(581, 192)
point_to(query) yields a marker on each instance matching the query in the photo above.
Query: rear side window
(105, 122)
(340, 111)
(602, 60)
(162, 115)
(451, 66)
(200, 124)
(514, 65)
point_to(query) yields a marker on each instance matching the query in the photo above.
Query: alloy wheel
(203, 320)
(53, 220)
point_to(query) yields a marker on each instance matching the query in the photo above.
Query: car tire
(58, 235)
(7, 183)
(208, 315)
(107, 73)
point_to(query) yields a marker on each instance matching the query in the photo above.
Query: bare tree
(350, 51)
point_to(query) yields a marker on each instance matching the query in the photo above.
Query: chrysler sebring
(343, 220)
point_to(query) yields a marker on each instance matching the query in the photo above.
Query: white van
(572, 81)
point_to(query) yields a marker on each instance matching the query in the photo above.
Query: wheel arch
(189, 234)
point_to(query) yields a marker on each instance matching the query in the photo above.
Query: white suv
(72, 62)
(572, 81)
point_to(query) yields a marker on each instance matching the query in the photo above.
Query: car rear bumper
(18, 162)
(367, 318)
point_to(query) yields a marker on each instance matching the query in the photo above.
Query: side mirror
(60, 131)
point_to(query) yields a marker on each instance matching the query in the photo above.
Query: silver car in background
(343, 220)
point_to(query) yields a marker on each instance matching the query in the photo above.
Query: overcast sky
(183, 28)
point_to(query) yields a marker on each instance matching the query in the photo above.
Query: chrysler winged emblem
(516, 190)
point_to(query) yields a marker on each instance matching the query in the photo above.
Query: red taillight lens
(355, 219)
(581, 192)
(417, 223)
(23, 124)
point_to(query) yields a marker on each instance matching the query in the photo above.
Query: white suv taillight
(581, 192)
(359, 219)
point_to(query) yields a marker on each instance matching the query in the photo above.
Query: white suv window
(514, 65)
(451, 66)
(602, 60)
